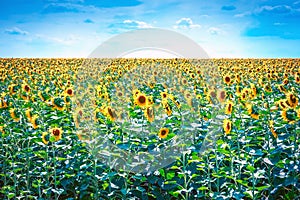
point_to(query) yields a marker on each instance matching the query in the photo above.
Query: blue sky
(224, 28)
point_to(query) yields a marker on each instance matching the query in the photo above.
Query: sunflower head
(56, 134)
(229, 107)
(227, 124)
(221, 95)
(45, 137)
(69, 92)
(149, 114)
(164, 95)
(25, 88)
(292, 100)
(141, 100)
(227, 79)
(289, 115)
(163, 133)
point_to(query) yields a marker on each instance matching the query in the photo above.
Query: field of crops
(47, 107)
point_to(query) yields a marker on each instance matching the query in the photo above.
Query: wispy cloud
(215, 31)
(15, 31)
(137, 24)
(186, 23)
(279, 9)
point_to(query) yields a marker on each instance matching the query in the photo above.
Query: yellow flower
(164, 95)
(13, 115)
(227, 124)
(44, 138)
(69, 92)
(229, 107)
(163, 133)
(34, 121)
(28, 114)
(221, 95)
(149, 114)
(141, 100)
(175, 101)
(227, 79)
(271, 125)
(292, 100)
(25, 88)
(56, 133)
(167, 107)
(110, 113)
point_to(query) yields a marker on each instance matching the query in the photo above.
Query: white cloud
(137, 24)
(186, 23)
(15, 31)
(215, 31)
(244, 14)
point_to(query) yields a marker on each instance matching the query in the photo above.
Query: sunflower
(12, 112)
(252, 111)
(28, 114)
(292, 100)
(184, 81)
(289, 115)
(58, 103)
(25, 88)
(238, 90)
(164, 95)
(211, 95)
(56, 133)
(163, 133)
(297, 79)
(141, 100)
(268, 88)
(227, 124)
(271, 125)
(149, 114)
(285, 81)
(253, 90)
(282, 104)
(69, 92)
(188, 97)
(2, 131)
(44, 137)
(227, 79)
(221, 95)
(167, 107)
(281, 88)
(34, 121)
(110, 113)
(229, 107)
(175, 100)
(135, 92)
(13, 89)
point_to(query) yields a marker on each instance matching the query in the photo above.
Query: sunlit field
(44, 150)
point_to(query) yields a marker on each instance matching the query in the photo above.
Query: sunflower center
(222, 95)
(293, 99)
(110, 112)
(56, 132)
(26, 88)
(228, 126)
(142, 99)
(70, 92)
(229, 107)
(227, 79)
(163, 132)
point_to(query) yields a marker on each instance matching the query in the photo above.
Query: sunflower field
(51, 110)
